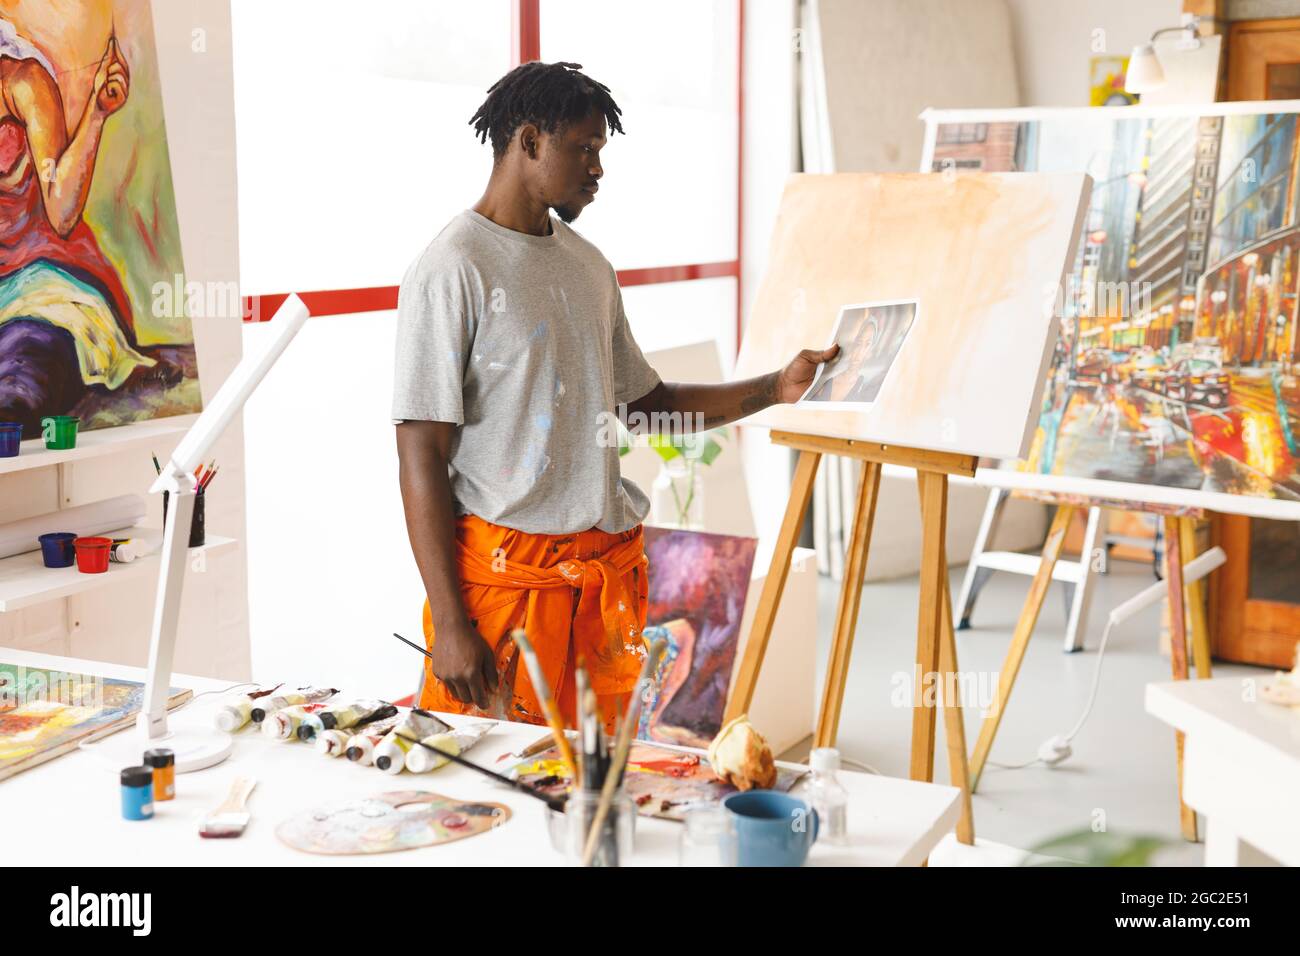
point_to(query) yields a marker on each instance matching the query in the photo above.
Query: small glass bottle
(828, 796)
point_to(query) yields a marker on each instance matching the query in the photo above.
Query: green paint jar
(60, 431)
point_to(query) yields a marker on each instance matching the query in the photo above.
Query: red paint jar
(92, 554)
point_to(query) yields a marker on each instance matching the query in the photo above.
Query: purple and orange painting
(88, 225)
(698, 584)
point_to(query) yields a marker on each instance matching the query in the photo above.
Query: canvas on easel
(982, 257)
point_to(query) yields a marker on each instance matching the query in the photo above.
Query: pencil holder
(569, 830)
(198, 524)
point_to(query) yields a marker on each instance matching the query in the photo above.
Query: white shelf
(25, 580)
(141, 436)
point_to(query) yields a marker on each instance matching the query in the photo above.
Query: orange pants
(577, 596)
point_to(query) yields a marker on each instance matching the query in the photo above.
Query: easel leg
(846, 616)
(1195, 600)
(1076, 627)
(934, 515)
(742, 692)
(1178, 652)
(1020, 640)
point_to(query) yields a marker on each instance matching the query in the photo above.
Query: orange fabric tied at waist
(575, 595)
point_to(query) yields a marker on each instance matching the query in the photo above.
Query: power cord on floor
(1056, 750)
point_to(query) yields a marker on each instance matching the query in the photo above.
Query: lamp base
(195, 749)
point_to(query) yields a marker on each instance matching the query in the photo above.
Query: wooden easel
(1180, 540)
(936, 648)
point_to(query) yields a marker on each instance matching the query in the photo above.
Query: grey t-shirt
(522, 341)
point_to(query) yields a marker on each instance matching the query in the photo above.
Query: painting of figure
(88, 228)
(698, 585)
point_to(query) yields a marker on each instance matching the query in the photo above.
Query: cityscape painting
(1177, 359)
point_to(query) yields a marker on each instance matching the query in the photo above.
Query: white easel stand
(1077, 576)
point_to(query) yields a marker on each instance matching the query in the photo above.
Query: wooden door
(1256, 597)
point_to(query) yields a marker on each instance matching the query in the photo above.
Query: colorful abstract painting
(46, 713)
(698, 584)
(91, 322)
(1178, 363)
(663, 782)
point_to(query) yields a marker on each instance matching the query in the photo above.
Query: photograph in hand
(870, 336)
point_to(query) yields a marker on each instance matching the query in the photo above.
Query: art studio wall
(194, 68)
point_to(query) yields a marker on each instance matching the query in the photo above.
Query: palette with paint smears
(663, 782)
(385, 822)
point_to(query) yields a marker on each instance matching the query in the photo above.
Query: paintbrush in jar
(549, 708)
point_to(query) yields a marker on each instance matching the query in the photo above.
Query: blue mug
(772, 828)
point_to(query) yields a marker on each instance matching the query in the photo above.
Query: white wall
(1054, 40)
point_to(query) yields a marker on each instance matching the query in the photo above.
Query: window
(354, 144)
(963, 132)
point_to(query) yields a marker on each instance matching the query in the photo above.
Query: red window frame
(526, 45)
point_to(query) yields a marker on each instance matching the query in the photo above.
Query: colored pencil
(544, 697)
(208, 478)
(156, 467)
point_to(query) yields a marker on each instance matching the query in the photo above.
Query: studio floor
(1122, 770)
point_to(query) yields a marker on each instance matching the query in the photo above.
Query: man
(512, 352)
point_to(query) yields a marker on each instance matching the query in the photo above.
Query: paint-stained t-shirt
(522, 341)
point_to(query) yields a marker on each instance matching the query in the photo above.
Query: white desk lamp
(195, 749)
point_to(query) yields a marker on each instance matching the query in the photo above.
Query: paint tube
(422, 760)
(334, 742)
(304, 695)
(390, 754)
(339, 717)
(234, 715)
(123, 551)
(361, 747)
(284, 723)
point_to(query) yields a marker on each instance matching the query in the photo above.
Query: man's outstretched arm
(716, 405)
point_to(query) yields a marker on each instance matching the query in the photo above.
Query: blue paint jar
(137, 793)
(11, 436)
(57, 549)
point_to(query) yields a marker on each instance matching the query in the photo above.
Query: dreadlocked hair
(549, 95)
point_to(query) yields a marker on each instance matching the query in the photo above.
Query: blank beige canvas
(983, 253)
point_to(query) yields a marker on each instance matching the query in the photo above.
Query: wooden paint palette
(385, 822)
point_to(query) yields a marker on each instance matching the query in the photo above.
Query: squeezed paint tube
(456, 742)
(334, 742)
(390, 754)
(341, 717)
(284, 724)
(361, 746)
(123, 551)
(237, 713)
(304, 695)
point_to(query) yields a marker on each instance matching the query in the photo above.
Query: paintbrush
(622, 748)
(543, 693)
(229, 819)
(552, 802)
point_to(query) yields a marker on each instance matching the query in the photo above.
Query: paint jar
(57, 550)
(198, 523)
(163, 763)
(92, 554)
(11, 437)
(137, 793)
(60, 431)
(569, 829)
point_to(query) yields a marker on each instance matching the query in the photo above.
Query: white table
(67, 811)
(1241, 767)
